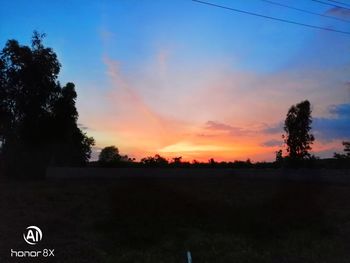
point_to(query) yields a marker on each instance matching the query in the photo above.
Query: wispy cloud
(273, 143)
(336, 127)
(341, 110)
(221, 127)
(169, 105)
(83, 127)
(275, 128)
(339, 12)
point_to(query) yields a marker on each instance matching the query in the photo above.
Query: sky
(181, 78)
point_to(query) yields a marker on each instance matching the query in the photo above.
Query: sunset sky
(180, 78)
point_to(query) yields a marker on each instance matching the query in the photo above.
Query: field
(157, 219)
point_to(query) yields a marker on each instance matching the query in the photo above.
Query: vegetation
(297, 127)
(346, 155)
(156, 161)
(279, 157)
(110, 155)
(38, 117)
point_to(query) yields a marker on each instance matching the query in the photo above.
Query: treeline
(158, 161)
(110, 157)
(328, 163)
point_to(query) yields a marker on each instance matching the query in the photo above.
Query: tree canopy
(38, 117)
(297, 127)
(109, 154)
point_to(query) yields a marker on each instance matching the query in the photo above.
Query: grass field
(224, 219)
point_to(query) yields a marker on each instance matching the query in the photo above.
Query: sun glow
(183, 147)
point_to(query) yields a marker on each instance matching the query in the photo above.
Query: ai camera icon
(32, 235)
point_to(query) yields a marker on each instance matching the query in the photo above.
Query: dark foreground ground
(154, 219)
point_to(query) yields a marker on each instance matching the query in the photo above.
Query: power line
(330, 4)
(305, 11)
(272, 18)
(339, 2)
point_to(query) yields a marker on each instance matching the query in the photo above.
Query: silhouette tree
(156, 161)
(177, 160)
(297, 127)
(38, 118)
(346, 150)
(279, 156)
(212, 162)
(72, 146)
(109, 154)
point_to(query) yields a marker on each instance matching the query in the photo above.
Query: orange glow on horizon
(147, 115)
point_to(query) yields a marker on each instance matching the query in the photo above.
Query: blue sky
(181, 63)
(140, 27)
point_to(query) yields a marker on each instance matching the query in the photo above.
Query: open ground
(229, 218)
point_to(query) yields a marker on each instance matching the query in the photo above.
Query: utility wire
(339, 2)
(272, 18)
(330, 4)
(305, 11)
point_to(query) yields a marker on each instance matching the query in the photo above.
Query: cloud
(274, 128)
(339, 12)
(130, 121)
(83, 127)
(272, 143)
(340, 110)
(331, 129)
(231, 130)
(336, 127)
(217, 126)
(164, 102)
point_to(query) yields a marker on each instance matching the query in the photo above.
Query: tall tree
(38, 117)
(297, 127)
